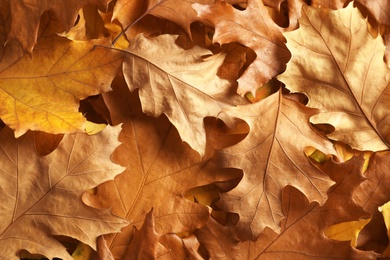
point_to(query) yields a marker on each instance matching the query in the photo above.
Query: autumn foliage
(185, 129)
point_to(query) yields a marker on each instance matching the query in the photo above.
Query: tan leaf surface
(272, 157)
(253, 28)
(43, 92)
(341, 70)
(41, 196)
(301, 236)
(160, 169)
(179, 83)
(330, 4)
(26, 16)
(371, 194)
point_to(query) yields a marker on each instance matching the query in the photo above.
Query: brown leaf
(90, 25)
(179, 248)
(330, 4)
(179, 83)
(341, 70)
(160, 169)
(371, 194)
(253, 28)
(272, 157)
(26, 16)
(301, 236)
(145, 241)
(378, 9)
(41, 196)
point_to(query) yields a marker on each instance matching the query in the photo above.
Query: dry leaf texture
(41, 196)
(301, 235)
(253, 28)
(159, 170)
(339, 66)
(271, 160)
(177, 82)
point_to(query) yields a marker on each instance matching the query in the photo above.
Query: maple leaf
(271, 160)
(341, 70)
(160, 169)
(253, 28)
(179, 83)
(301, 236)
(372, 194)
(43, 92)
(26, 16)
(41, 196)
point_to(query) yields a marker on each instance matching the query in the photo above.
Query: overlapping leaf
(26, 16)
(43, 92)
(41, 196)
(301, 236)
(179, 83)
(253, 28)
(372, 194)
(342, 71)
(272, 156)
(160, 169)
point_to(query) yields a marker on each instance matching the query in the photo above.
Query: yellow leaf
(346, 231)
(385, 210)
(43, 92)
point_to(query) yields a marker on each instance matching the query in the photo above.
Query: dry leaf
(26, 16)
(301, 235)
(160, 170)
(253, 28)
(41, 196)
(341, 70)
(43, 92)
(179, 83)
(371, 194)
(272, 156)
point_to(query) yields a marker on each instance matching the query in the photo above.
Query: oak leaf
(301, 235)
(159, 170)
(341, 70)
(179, 83)
(41, 196)
(272, 156)
(26, 16)
(43, 92)
(253, 28)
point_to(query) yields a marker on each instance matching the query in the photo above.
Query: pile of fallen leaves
(185, 129)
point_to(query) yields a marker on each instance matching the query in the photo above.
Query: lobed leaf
(41, 196)
(339, 66)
